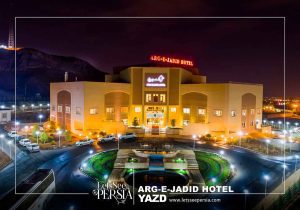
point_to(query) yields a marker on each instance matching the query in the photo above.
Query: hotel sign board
(156, 80)
(171, 60)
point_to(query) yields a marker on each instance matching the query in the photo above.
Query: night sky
(239, 50)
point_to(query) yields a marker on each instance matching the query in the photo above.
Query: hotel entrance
(155, 116)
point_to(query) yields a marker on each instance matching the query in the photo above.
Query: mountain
(35, 70)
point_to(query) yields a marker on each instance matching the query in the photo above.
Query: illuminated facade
(157, 97)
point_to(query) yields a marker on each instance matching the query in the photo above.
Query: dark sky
(241, 50)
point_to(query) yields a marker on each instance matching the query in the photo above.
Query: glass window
(233, 113)
(252, 111)
(68, 109)
(252, 123)
(258, 111)
(162, 98)
(186, 110)
(4, 116)
(173, 109)
(244, 112)
(93, 111)
(137, 109)
(78, 111)
(148, 97)
(218, 113)
(59, 108)
(53, 108)
(155, 97)
(243, 124)
(201, 111)
(109, 110)
(124, 109)
(186, 122)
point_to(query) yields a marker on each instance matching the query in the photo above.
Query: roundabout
(147, 168)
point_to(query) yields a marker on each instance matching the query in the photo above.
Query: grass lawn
(101, 165)
(212, 166)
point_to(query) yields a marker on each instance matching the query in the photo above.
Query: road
(65, 162)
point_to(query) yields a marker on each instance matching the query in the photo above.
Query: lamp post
(2, 137)
(59, 132)
(119, 135)
(9, 143)
(296, 157)
(268, 142)
(245, 203)
(279, 123)
(194, 138)
(37, 136)
(266, 178)
(240, 134)
(40, 117)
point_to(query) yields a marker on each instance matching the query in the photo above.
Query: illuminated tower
(11, 40)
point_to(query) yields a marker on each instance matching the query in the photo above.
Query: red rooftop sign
(164, 59)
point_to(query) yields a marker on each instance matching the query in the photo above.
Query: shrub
(173, 122)
(44, 137)
(68, 136)
(135, 122)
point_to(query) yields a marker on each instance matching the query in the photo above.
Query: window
(243, 124)
(53, 108)
(155, 97)
(218, 113)
(252, 111)
(201, 111)
(109, 110)
(78, 111)
(162, 98)
(124, 109)
(186, 110)
(244, 112)
(258, 111)
(68, 110)
(251, 123)
(148, 97)
(137, 109)
(233, 113)
(59, 108)
(173, 109)
(4, 116)
(93, 111)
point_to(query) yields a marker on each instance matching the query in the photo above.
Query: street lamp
(296, 124)
(194, 138)
(245, 192)
(268, 142)
(240, 134)
(9, 143)
(40, 117)
(222, 152)
(266, 178)
(296, 157)
(213, 180)
(26, 129)
(37, 136)
(91, 152)
(279, 123)
(119, 135)
(2, 137)
(59, 132)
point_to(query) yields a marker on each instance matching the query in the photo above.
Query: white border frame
(166, 17)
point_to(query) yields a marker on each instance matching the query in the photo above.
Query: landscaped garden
(214, 169)
(100, 165)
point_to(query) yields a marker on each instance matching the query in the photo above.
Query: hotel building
(156, 96)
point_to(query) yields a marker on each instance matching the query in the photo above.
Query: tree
(68, 136)
(173, 122)
(35, 129)
(135, 122)
(44, 137)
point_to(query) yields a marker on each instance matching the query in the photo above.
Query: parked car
(33, 147)
(127, 136)
(84, 142)
(108, 138)
(24, 142)
(13, 134)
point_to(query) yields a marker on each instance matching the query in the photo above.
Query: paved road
(65, 162)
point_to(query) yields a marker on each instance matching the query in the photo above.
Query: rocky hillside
(35, 71)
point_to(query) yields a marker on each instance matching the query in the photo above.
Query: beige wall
(220, 96)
